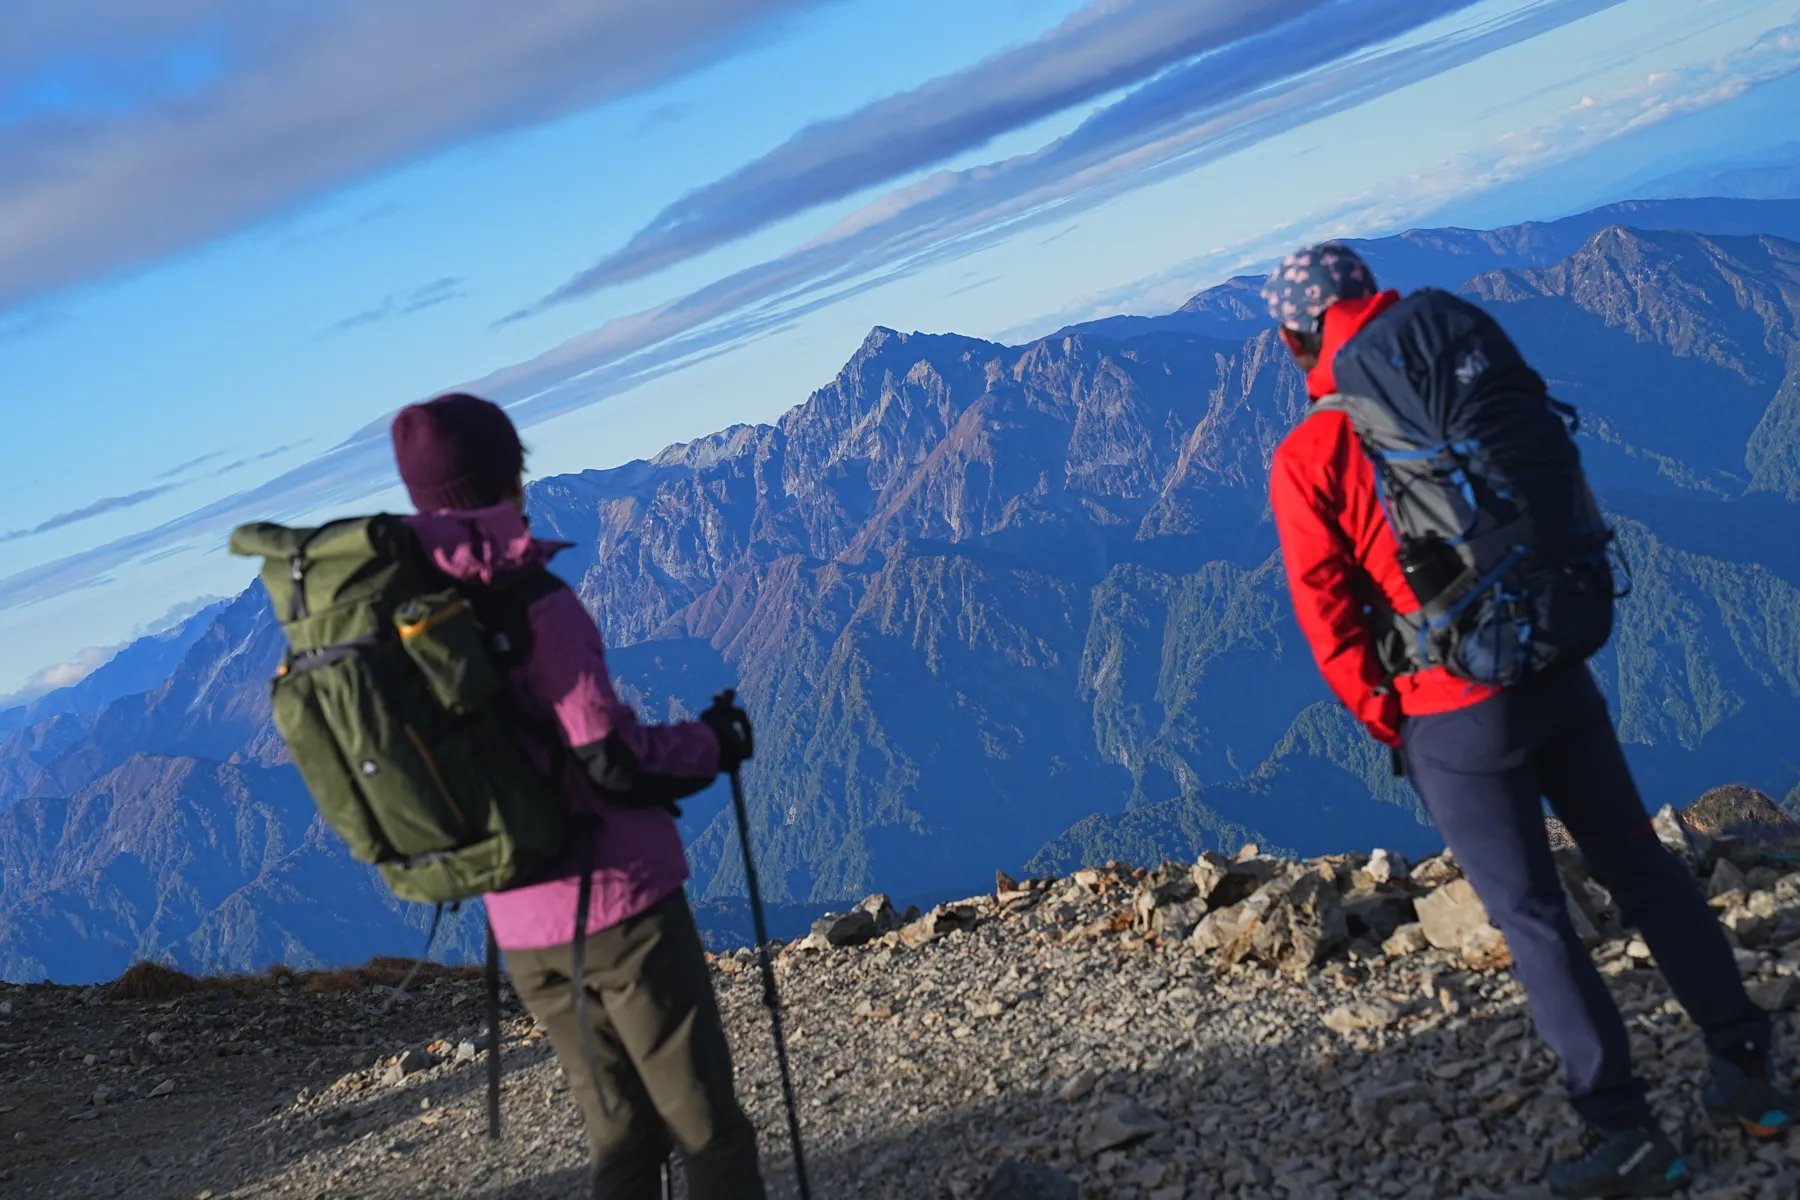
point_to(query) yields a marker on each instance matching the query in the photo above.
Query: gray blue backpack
(1501, 539)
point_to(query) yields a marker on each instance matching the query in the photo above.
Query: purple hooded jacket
(564, 686)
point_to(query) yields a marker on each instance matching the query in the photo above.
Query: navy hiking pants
(1482, 773)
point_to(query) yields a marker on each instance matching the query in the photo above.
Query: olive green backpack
(392, 701)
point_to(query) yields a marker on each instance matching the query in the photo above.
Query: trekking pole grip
(726, 702)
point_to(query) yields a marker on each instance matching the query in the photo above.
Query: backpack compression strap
(1398, 637)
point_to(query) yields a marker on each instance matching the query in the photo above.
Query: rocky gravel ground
(1250, 1027)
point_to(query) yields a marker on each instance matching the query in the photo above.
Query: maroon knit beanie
(457, 452)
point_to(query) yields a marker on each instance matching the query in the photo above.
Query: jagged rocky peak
(1238, 298)
(1003, 605)
(896, 397)
(1731, 301)
(714, 448)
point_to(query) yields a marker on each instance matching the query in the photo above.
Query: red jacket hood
(483, 545)
(1343, 321)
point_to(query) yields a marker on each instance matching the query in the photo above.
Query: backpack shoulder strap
(504, 611)
(505, 617)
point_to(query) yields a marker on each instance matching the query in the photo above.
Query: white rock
(1454, 918)
(1367, 1014)
(1385, 866)
(1408, 939)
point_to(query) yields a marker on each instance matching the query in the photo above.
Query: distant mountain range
(1772, 175)
(1010, 607)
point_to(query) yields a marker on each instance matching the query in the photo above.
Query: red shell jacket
(1335, 539)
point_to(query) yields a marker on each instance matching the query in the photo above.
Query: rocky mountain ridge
(1021, 605)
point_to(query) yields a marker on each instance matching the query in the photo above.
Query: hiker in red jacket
(1483, 760)
(655, 1069)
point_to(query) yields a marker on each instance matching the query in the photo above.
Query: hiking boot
(1749, 1100)
(1623, 1162)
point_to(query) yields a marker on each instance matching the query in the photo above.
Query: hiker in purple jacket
(656, 1070)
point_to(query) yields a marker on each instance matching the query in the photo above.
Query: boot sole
(1767, 1127)
(1762, 1129)
(1666, 1186)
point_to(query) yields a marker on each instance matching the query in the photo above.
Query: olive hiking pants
(662, 1070)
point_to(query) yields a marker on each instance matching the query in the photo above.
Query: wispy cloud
(86, 661)
(1323, 62)
(306, 97)
(88, 511)
(1102, 47)
(41, 31)
(16, 327)
(60, 675)
(183, 468)
(1183, 118)
(1521, 154)
(1577, 131)
(663, 115)
(280, 450)
(400, 304)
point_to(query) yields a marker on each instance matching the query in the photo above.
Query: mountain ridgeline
(1015, 607)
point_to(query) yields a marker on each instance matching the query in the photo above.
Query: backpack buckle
(297, 574)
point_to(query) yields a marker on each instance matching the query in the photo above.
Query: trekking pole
(491, 978)
(771, 998)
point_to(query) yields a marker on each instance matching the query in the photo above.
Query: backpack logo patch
(1472, 367)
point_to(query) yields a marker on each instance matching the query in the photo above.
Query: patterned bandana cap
(1310, 281)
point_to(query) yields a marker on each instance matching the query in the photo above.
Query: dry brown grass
(331, 982)
(388, 972)
(153, 981)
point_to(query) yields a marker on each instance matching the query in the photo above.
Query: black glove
(731, 725)
(619, 777)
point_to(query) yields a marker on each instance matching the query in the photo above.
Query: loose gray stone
(881, 908)
(1118, 1124)
(1777, 995)
(853, 928)
(1029, 1181)
(411, 1062)
(936, 924)
(1079, 1084)
(1296, 922)
(1219, 928)
(1376, 916)
(1725, 878)
(1370, 1106)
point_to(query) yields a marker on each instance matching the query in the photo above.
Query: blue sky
(234, 237)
